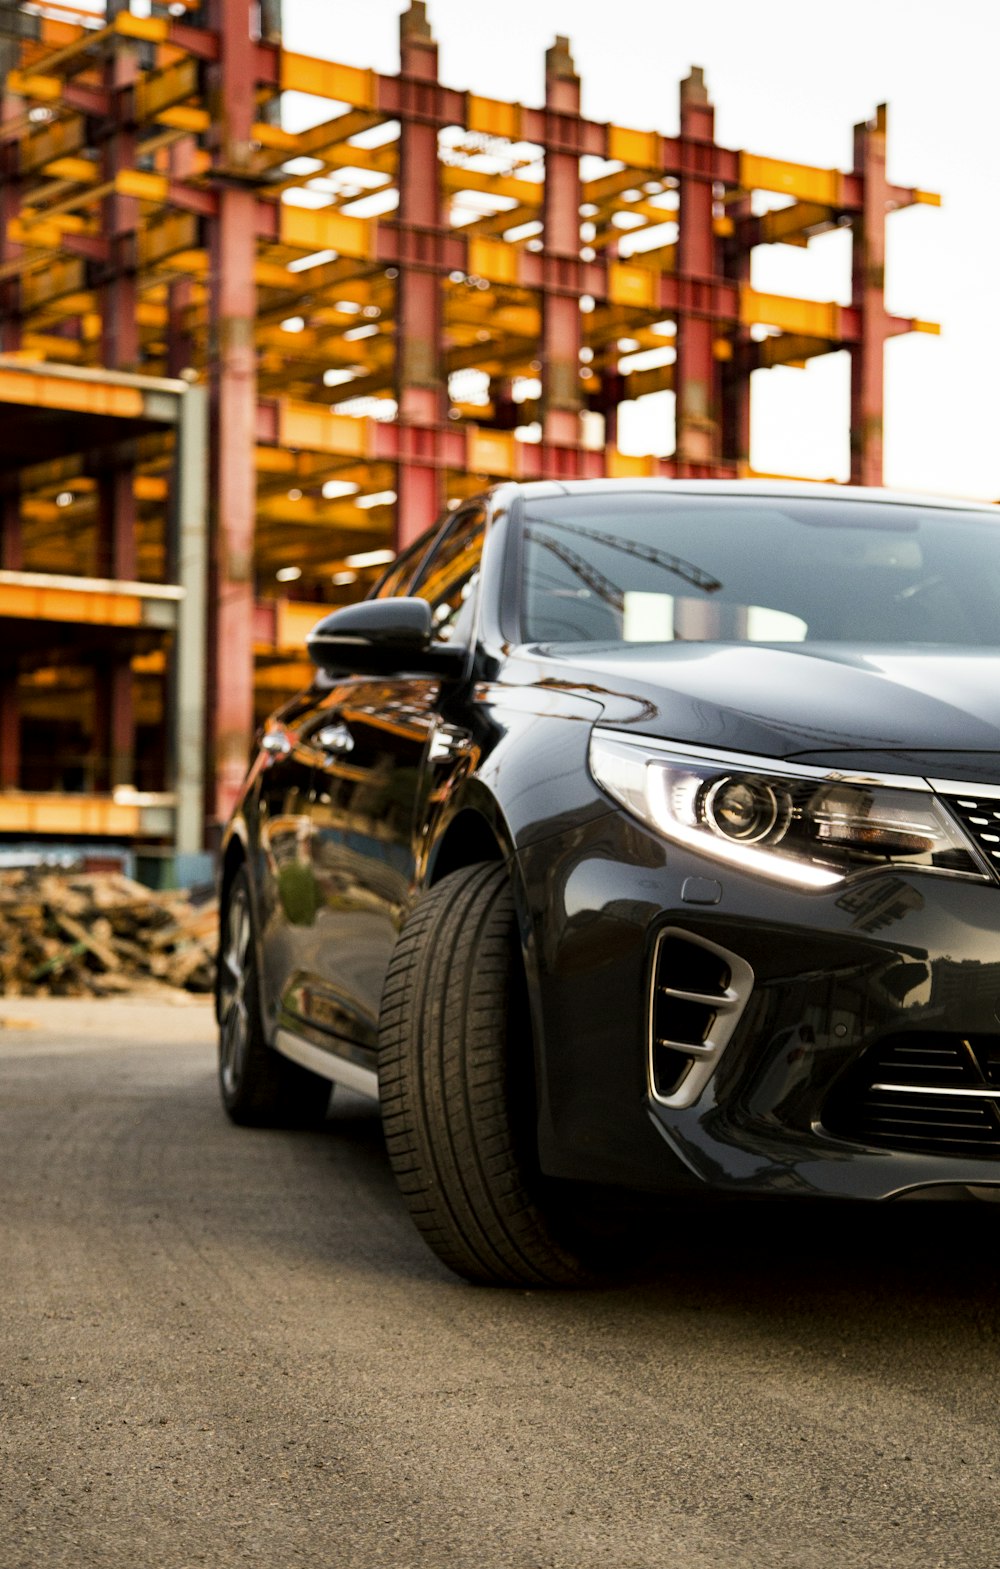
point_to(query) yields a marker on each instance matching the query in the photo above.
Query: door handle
(335, 740)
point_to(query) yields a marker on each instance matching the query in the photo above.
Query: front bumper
(835, 975)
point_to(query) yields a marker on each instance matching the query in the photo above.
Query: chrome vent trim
(723, 1008)
(936, 1093)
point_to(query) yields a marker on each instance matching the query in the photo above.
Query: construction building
(358, 323)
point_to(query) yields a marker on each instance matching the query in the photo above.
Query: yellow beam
(528, 193)
(183, 117)
(287, 675)
(631, 284)
(160, 90)
(308, 231)
(811, 318)
(802, 180)
(309, 512)
(794, 225)
(60, 392)
(31, 596)
(493, 452)
(80, 170)
(638, 149)
(301, 73)
(493, 117)
(626, 465)
(45, 813)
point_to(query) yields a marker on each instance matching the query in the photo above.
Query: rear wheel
(259, 1087)
(457, 1085)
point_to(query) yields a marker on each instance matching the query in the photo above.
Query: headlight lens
(793, 824)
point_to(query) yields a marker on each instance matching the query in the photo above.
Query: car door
(372, 739)
(286, 885)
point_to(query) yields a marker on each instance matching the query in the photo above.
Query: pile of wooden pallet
(68, 934)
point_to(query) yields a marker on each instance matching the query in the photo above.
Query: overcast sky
(789, 80)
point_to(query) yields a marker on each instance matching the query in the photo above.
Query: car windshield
(652, 568)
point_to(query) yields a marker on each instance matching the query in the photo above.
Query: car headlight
(800, 825)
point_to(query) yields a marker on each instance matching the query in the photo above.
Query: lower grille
(698, 994)
(937, 1094)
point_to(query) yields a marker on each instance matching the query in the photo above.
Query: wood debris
(77, 934)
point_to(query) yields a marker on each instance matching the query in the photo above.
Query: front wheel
(259, 1087)
(457, 1085)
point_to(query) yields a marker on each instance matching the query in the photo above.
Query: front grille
(980, 817)
(698, 993)
(937, 1094)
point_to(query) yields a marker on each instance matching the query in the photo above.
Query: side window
(397, 577)
(449, 578)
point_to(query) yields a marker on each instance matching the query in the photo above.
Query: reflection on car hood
(789, 700)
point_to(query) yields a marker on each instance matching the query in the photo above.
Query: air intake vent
(698, 993)
(980, 817)
(939, 1094)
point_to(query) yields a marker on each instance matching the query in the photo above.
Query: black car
(637, 839)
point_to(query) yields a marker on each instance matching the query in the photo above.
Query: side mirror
(382, 637)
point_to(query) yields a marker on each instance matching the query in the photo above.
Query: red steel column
(114, 741)
(561, 332)
(420, 388)
(868, 278)
(10, 338)
(11, 108)
(114, 709)
(120, 214)
(181, 345)
(233, 371)
(736, 372)
(695, 377)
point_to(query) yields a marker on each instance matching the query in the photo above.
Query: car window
(396, 578)
(449, 577)
(648, 568)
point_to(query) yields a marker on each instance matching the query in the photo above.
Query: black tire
(259, 1087)
(457, 1085)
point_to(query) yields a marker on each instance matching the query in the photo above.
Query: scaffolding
(424, 292)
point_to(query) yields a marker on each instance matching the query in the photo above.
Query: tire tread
(449, 1006)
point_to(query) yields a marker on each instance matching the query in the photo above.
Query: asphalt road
(224, 1347)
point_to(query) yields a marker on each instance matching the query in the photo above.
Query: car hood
(819, 700)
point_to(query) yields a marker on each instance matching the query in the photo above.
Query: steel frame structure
(425, 291)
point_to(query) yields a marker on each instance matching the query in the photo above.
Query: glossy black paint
(381, 636)
(489, 760)
(809, 698)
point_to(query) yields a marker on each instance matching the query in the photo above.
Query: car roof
(805, 490)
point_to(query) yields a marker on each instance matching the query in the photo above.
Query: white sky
(789, 79)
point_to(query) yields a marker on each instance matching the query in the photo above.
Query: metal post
(868, 278)
(420, 388)
(190, 549)
(695, 376)
(561, 332)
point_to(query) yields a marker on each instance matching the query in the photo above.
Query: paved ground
(228, 1348)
